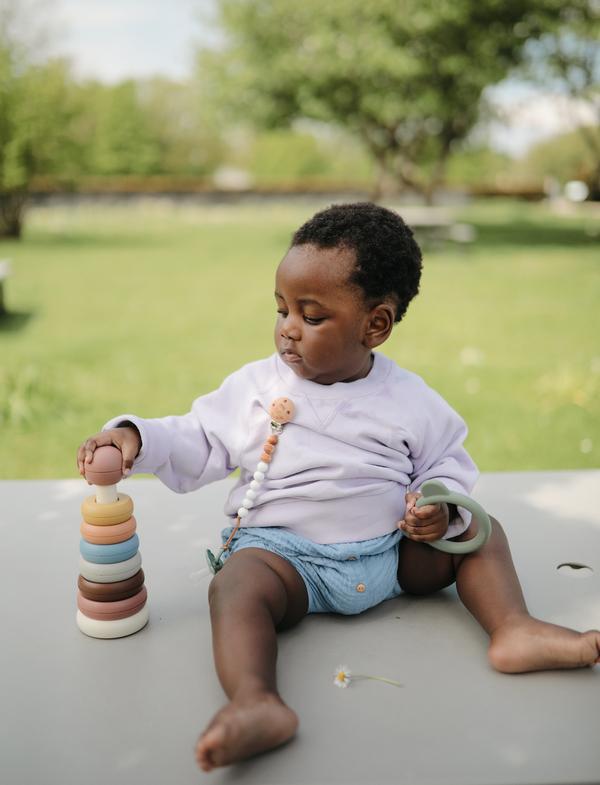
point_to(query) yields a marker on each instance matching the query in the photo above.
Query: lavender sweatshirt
(342, 466)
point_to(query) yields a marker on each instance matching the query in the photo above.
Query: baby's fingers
(85, 454)
(422, 533)
(426, 511)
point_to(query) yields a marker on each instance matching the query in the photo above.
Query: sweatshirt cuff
(148, 458)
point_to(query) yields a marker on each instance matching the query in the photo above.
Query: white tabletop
(77, 710)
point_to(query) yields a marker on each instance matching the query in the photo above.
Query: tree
(35, 111)
(404, 76)
(567, 60)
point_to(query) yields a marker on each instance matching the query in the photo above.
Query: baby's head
(349, 275)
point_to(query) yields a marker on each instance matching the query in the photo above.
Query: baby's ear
(379, 325)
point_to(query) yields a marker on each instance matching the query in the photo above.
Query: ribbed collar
(339, 390)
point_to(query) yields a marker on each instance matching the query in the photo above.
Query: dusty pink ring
(111, 611)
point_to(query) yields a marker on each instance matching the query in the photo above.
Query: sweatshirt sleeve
(438, 454)
(194, 449)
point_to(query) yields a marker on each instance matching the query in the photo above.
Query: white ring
(110, 573)
(118, 628)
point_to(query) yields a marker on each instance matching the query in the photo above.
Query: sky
(115, 39)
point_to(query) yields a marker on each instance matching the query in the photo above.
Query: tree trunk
(12, 206)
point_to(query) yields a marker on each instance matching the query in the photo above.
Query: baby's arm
(437, 452)
(184, 451)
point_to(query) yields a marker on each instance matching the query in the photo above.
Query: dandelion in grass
(343, 677)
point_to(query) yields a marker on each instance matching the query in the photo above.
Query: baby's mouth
(290, 356)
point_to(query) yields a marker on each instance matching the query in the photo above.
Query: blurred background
(156, 157)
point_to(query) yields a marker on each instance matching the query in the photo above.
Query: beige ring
(108, 535)
(107, 514)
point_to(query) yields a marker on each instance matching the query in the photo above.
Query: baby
(332, 526)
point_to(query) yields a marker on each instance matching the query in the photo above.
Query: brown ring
(111, 592)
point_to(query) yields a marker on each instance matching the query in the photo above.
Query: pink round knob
(282, 410)
(105, 468)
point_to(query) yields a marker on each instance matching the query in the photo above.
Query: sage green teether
(435, 492)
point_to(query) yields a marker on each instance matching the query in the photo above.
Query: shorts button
(360, 587)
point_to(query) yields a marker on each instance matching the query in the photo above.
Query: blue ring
(109, 554)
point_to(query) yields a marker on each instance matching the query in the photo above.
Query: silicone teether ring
(107, 514)
(109, 554)
(435, 492)
(108, 535)
(110, 573)
(112, 629)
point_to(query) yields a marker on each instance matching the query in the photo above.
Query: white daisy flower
(342, 676)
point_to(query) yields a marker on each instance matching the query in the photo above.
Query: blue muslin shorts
(347, 577)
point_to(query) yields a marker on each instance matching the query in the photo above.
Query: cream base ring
(113, 629)
(110, 573)
(107, 514)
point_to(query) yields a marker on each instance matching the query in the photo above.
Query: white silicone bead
(263, 467)
(242, 512)
(246, 502)
(259, 476)
(250, 494)
(255, 485)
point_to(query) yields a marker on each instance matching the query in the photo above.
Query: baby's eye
(314, 319)
(282, 313)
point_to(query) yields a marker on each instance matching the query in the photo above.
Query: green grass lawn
(142, 308)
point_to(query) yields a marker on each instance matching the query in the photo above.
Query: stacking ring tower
(112, 598)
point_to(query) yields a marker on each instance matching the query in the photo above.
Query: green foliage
(565, 157)
(147, 127)
(35, 112)
(404, 77)
(288, 157)
(567, 60)
(476, 167)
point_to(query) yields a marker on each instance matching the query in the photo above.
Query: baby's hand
(424, 524)
(126, 438)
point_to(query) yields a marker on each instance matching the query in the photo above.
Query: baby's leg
(489, 588)
(255, 594)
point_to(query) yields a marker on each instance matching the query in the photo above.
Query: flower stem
(377, 678)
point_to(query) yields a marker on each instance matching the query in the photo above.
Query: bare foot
(244, 728)
(527, 644)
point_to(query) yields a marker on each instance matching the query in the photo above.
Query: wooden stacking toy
(112, 598)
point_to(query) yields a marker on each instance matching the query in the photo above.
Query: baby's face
(321, 318)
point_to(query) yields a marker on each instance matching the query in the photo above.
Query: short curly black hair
(388, 259)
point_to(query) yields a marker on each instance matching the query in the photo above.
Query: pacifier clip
(281, 411)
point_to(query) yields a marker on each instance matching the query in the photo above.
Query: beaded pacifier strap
(281, 412)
